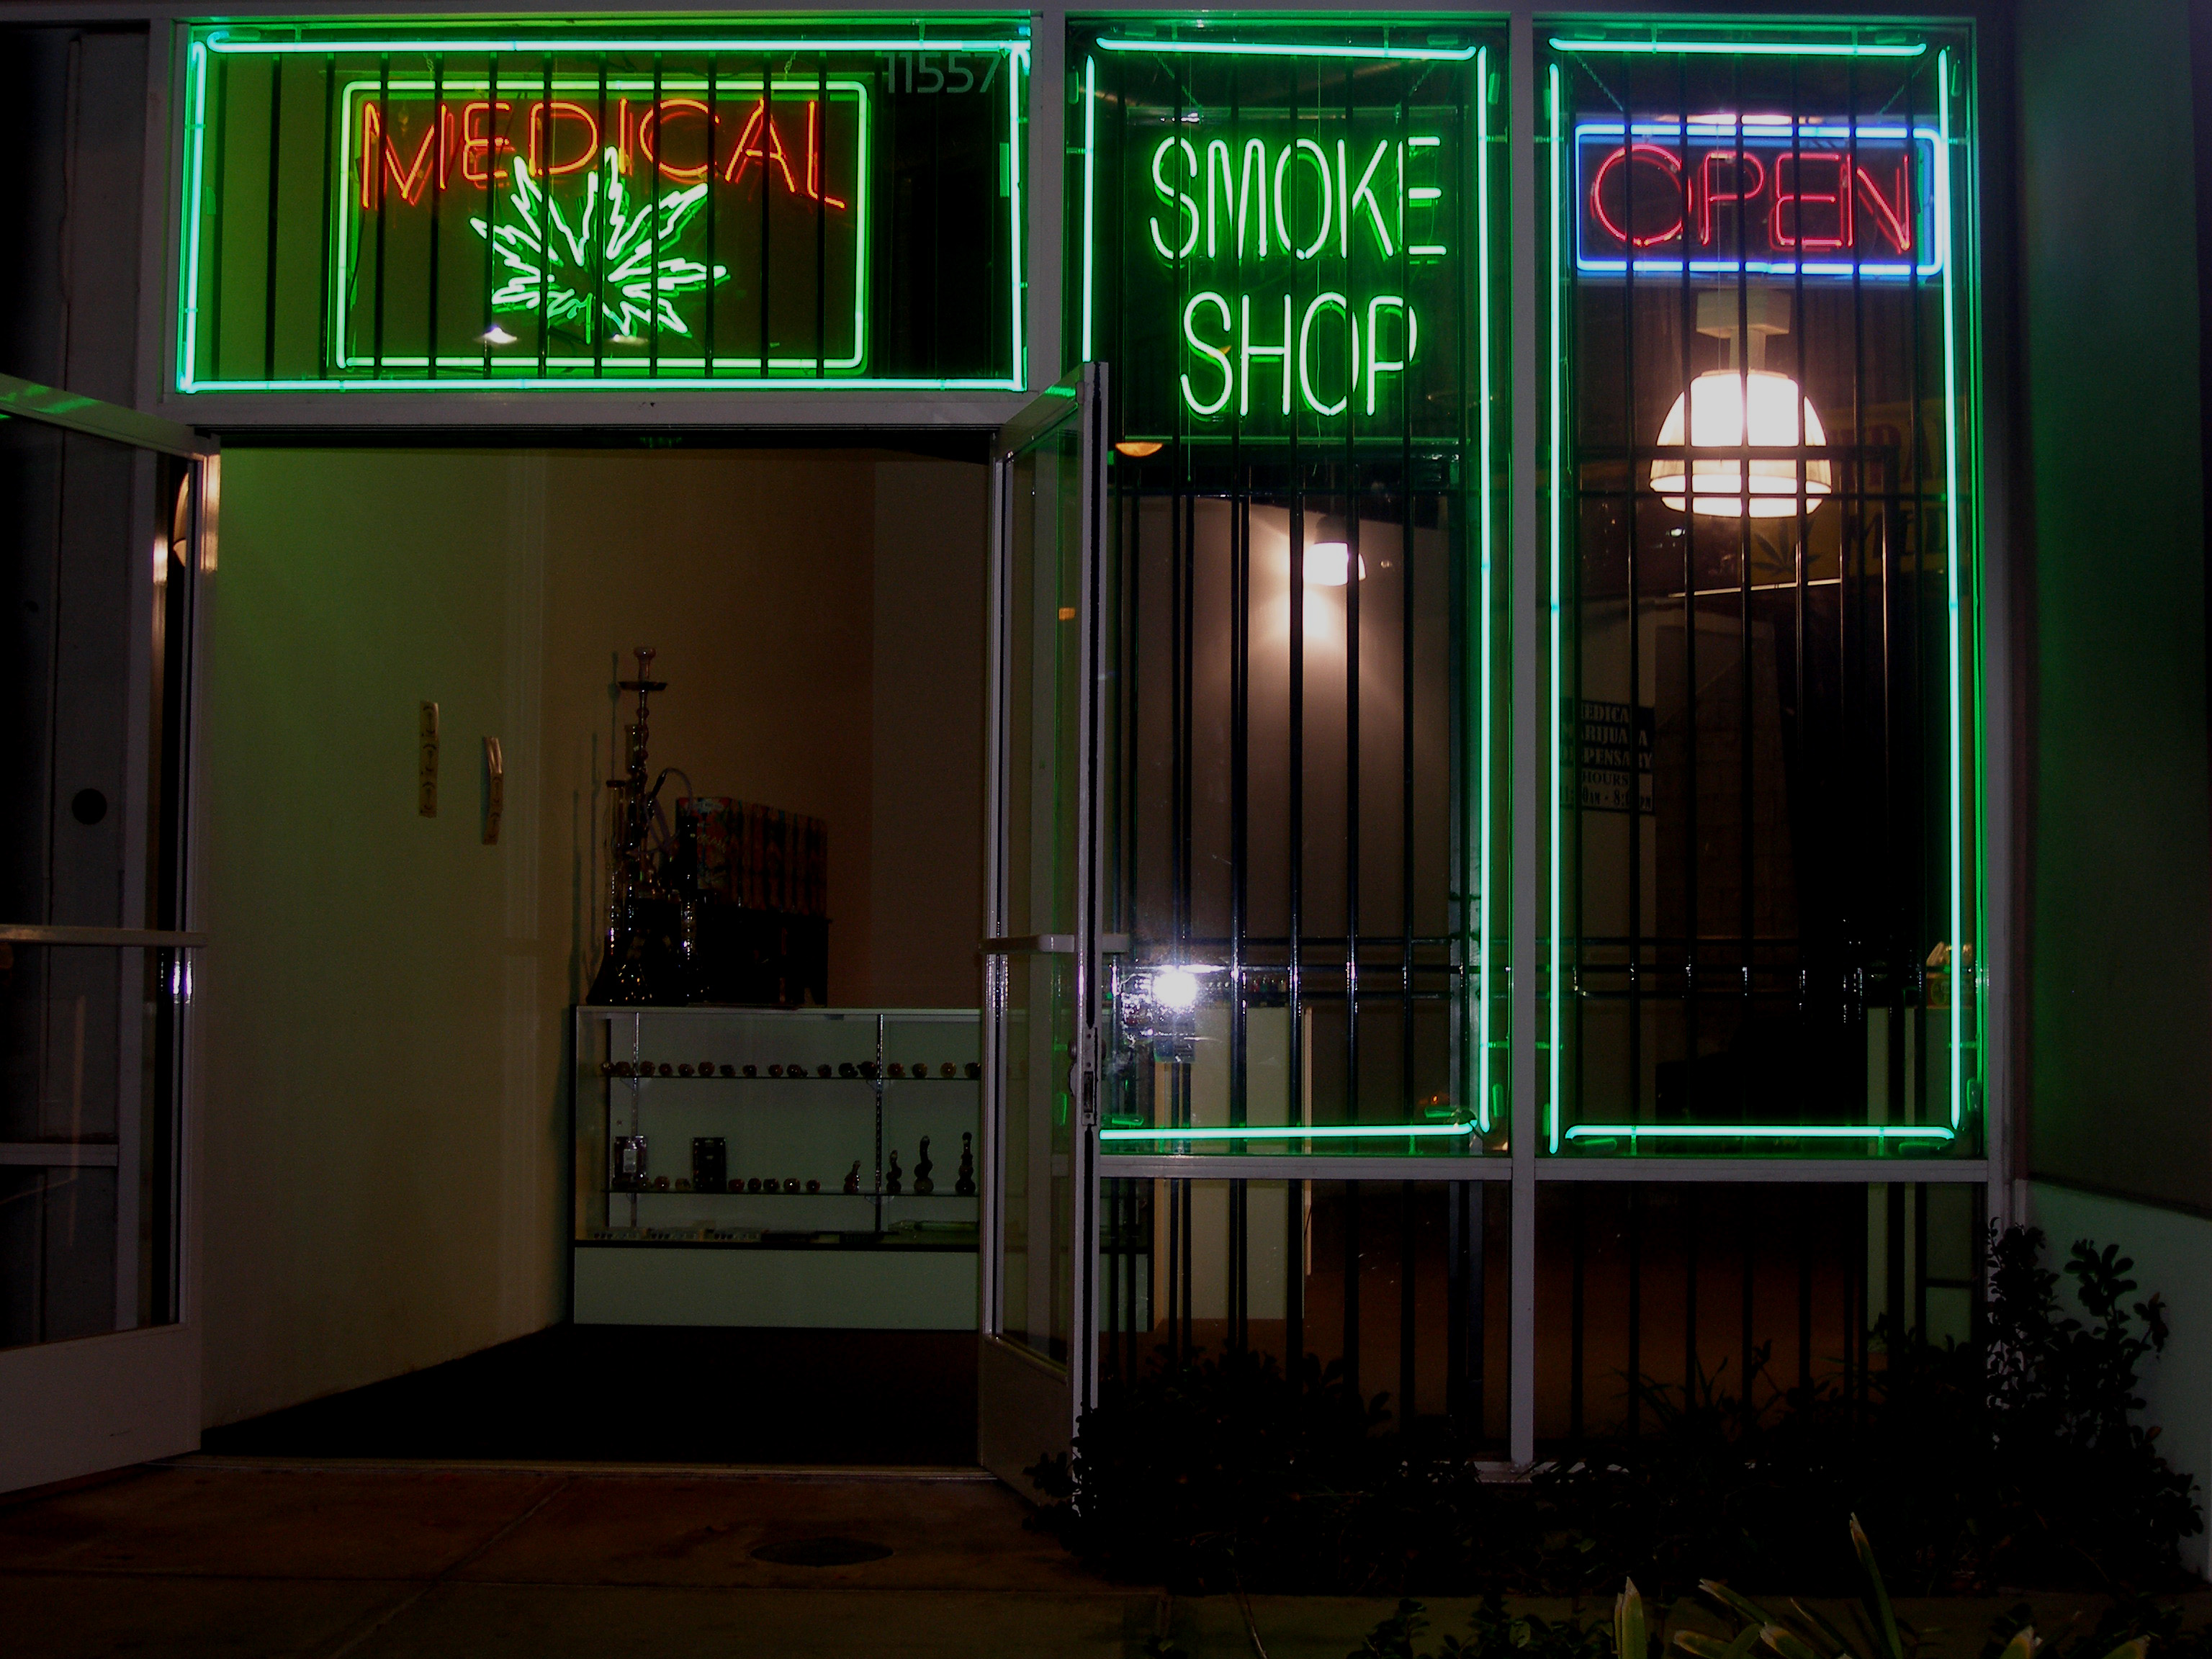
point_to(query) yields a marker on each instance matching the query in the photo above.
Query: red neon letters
(1768, 198)
(562, 135)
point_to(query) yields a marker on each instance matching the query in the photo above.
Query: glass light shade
(1715, 412)
(1328, 564)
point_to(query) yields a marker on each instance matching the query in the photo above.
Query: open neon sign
(1758, 194)
(1243, 216)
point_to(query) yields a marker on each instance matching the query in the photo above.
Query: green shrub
(2013, 1462)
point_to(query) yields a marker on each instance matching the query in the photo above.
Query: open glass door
(106, 520)
(1037, 1367)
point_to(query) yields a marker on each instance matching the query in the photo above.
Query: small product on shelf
(683, 1184)
(736, 1183)
(847, 1069)
(853, 1178)
(666, 1070)
(710, 1162)
(753, 1185)
(813, 1186)
(794, 1071)
(897, 1070)
(823, 1069)
(923, 1186)
(661, 1183)
(681, 1071)
(975, 1069)
(893, 1177)
(630, 1162)
(751, 1071)
(790, 1184)
(948, 1070)
(965, 1182)
(921, 1070)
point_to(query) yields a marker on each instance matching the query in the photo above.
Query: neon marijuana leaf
(623, 255)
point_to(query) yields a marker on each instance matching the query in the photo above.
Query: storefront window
(1763, 899)
(1281, 241)
(426, 208)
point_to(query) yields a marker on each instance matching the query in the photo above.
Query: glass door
(106, 522)
(1036, 1369)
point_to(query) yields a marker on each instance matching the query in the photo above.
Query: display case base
(883, 1289)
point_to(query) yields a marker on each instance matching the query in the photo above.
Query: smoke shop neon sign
(1758, 194)
(1294, 255)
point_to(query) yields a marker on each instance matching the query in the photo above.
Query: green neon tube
(1090, 191)
(196, 128)
(1284, 49)
(1954, 556)
(1741, 48)
(1758, 1132)
(1294, 1132)
(222, 42)
(585, 383)
(1556, 983)
(1015, 64)
(1482, 833)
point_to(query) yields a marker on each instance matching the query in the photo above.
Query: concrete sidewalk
(234, 1556)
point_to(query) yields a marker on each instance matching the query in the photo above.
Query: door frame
(88, 1404)
(1027, 1405)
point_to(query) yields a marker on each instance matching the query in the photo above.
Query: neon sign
(609, 253)
(1238, 216)
(1757, 194)
(618, 206)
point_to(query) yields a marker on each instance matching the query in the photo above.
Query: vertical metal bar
(491, 193)
(1530, 724)
(539, 143)
(602, 208)
(713, 101)
(323, 289)
(437, 205)
(767, 114)
(1804, 1230)
(1634, 986)
(378, 164)
(221, 170)
(818, 167)
(652, 159)
(1692, 1104)
(276, 151)
(1690, 1376)
(1636, 1308)
(1578, 1272)
(1747, 1207)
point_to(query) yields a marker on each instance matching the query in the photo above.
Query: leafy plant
(1495, 1633)
(2013, 1462)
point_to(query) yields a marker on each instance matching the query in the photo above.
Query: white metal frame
(78, 1406)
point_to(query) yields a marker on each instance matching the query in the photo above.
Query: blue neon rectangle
(1598, 143)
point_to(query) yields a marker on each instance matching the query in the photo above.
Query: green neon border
(1297, 1132)
(346, 363)
(1956, 554)
(219, 41)
(1486, 495)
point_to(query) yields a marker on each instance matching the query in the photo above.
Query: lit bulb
(1175, 988)
(1328, 564)
(1716, 419)
(497, 336)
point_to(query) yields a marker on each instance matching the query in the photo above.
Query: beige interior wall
(383, 1003)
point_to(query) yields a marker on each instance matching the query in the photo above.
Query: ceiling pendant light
(1750, 410)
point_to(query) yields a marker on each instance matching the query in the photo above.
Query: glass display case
(808, 1167)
